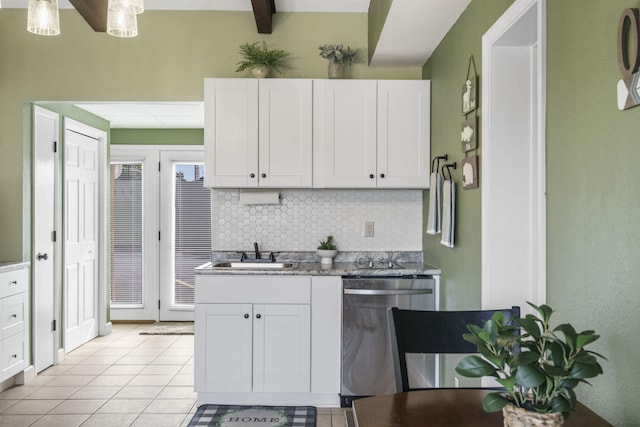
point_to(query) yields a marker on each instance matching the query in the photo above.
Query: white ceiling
(149, 115)
(412, 31)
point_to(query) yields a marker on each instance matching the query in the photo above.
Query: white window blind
(192, 228)
(126, 234)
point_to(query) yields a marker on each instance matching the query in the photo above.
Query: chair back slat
(434, 332)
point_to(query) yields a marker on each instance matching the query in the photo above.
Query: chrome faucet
(255, 247)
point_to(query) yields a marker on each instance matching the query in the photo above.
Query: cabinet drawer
(13, 282)
(12, 356)
(12, 312)
(253, 289)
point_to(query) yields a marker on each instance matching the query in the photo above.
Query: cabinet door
(223, 353)
(403, 133)
(344, 133)
(282, 348)
(285, 133)
(231, 132)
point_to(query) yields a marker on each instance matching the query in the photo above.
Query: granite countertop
(345, 264)
(6, 266)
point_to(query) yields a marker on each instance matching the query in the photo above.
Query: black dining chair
(432, 332)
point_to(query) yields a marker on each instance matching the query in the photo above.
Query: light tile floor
(122, 379)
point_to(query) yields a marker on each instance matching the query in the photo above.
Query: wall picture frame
(470, 172)
(468, 134)
(469, 88)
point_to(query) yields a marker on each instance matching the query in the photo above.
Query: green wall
(593, 199)
(167, 62)
(157, 136)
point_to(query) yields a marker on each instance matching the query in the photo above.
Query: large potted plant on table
(538, 369)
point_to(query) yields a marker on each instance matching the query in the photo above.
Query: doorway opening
(513, 158)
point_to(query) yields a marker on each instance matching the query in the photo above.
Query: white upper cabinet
(344, 133)
(258, 133)
(293, 133)
(403, 133)
(370, 134)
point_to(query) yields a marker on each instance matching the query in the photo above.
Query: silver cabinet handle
(387, 291)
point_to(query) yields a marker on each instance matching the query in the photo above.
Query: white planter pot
(327, 256)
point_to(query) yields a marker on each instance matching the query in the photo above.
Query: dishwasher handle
(387, 291)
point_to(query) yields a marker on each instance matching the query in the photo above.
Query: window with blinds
(126, 234)
(192, 228)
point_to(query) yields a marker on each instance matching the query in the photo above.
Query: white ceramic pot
(327, 256)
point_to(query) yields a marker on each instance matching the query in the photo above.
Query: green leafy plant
(255, 55)
(337, 53)
(327, 245)
(539, 368)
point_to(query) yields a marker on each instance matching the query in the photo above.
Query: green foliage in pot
(327, 245)
(538, 369)
(337, 53)
(255, 55)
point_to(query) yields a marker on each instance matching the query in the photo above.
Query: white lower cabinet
(256, 340)
(14, 321)
(256, 347)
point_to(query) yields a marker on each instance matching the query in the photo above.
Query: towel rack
(436, 162)
(447, 166)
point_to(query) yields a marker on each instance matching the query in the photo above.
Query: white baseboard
(25, 376)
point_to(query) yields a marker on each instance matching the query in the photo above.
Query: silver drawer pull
(15, 316)
(387, 291)
(15, 282)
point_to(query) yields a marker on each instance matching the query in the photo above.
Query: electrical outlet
(369, 229)
(456, 382)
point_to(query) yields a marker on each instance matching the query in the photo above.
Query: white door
(285, 132)
(403, 133)
(513, 158)
(81, 241)
(185, 230)
(45, 136)
(281, 348)
(344, 126)
(134, 225)
(223, 347)
(231, 132)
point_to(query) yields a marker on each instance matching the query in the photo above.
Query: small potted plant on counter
(327, 251)
(262, 60)
(538, 369)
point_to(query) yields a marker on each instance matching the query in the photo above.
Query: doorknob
(42, 257)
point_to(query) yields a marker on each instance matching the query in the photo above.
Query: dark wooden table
(444, 407)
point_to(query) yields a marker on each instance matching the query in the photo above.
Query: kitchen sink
(256, 265)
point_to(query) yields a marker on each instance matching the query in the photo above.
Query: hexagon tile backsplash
(305, 217)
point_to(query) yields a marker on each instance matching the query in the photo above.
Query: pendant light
(121, 22)
(43, 17)
(133, 6)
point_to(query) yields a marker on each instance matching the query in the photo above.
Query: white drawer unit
(14, 319)
(12, 315)
(13, 282)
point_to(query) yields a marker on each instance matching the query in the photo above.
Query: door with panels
(81, 243)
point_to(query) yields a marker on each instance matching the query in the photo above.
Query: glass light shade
(43, 18)
(133, 6)
(121, 23)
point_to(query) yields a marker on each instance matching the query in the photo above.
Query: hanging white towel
(448, 212)
(434, 223)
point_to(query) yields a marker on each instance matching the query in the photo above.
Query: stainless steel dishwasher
(367, 364)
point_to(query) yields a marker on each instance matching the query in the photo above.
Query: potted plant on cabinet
(327, 251)
(337, 56)
(538, 369)
(262, 60)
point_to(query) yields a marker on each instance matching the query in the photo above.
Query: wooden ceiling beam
(94, 12)
(263, 11)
